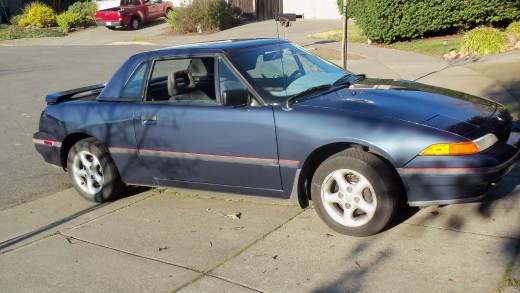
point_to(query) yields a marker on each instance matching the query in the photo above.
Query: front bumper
(456, 179)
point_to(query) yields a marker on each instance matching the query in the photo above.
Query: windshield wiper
(343, 79)
(306, 93)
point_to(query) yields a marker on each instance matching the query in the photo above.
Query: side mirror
(236, 97)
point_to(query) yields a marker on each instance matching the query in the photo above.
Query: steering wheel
(295, 75)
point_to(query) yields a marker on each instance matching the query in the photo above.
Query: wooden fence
(260, 9)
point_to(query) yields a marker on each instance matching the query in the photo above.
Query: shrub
(16, 32)
(483, 41)
(514, 28)
(386, 21)
(210, 15)
(21, 19)
(23, 22)
(67, 20)
(41, 15)
(170, 18)
(86, 12)
(15, 20)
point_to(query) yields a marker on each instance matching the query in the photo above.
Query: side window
(134, 87)
(227, 79)
(187, 81)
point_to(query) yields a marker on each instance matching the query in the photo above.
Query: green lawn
(430, 46)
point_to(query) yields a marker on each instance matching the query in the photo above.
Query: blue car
(265, 117)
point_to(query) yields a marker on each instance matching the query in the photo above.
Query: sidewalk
(165, 240)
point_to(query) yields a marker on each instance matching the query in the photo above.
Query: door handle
(148, 120)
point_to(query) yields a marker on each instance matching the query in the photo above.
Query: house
(267, 9)
(319, 9)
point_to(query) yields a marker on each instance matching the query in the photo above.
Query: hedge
(386, 21)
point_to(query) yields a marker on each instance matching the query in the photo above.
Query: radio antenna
(277, 19)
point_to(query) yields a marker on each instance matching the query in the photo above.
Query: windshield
(280, 72)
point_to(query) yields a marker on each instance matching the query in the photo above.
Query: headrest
(180, 82)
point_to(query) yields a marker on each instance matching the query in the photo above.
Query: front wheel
(354, 193)
(92, 171)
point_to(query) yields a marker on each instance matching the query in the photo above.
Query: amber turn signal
(461, 148)
(448, 149)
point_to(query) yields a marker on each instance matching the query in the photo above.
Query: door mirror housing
(235, 97)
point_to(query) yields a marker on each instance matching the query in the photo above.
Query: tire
(111, 28)
(92, 171)
(354, 193)
(135, 23)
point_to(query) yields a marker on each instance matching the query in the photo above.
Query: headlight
(461, 148)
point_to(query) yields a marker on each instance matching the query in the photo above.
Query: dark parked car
(265, 117)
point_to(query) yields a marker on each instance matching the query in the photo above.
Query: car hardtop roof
(208, 47)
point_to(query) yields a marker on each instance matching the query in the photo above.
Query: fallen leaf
(208, 209)
(275, 257)
(163, 248)
(358, 264)
(417, 249)
(68, 240)
(450, 279)
(264, 272)
(259, 254)
(435, 213)
(238, 228)
(236, 215)
(328, 235)
(210, 243)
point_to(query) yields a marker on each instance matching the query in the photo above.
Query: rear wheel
(134, 23)
(92, 171)
(354, 193)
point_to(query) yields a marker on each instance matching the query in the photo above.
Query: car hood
(452, 111)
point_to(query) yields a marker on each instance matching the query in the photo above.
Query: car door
(151, 9)
(184, 134)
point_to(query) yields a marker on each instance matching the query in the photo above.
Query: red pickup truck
(132, 12)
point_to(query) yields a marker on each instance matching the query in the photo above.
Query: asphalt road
(27, 74)
(33, 68)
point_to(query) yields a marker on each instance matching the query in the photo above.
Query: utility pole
(344, 39)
